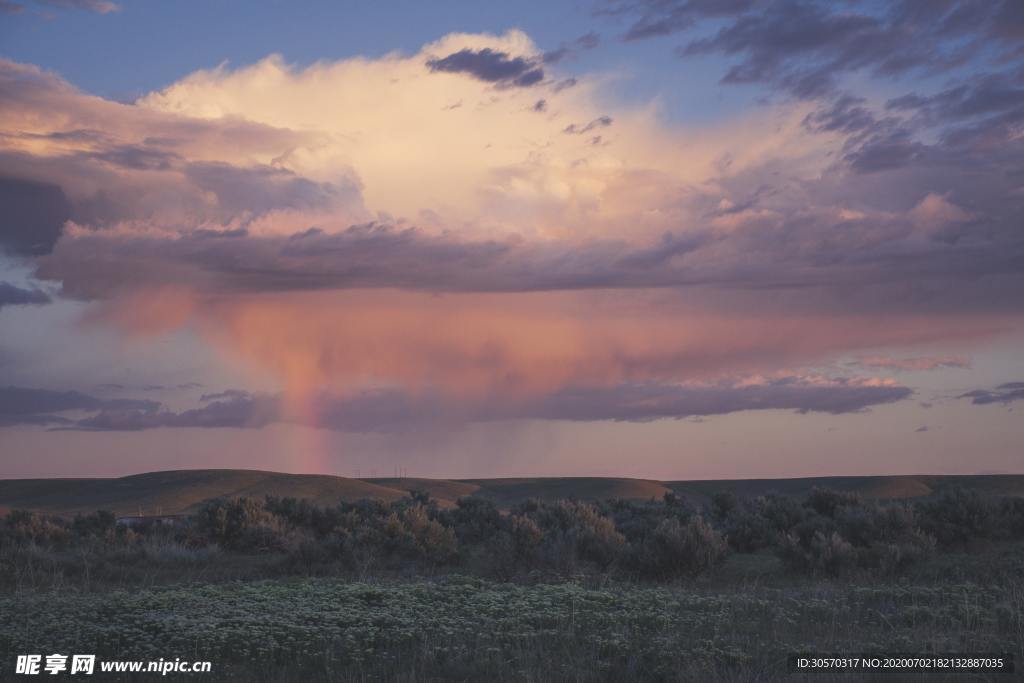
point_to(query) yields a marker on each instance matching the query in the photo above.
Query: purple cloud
(1004, 393)
(16, 296)
(389, 410)
(490, 65)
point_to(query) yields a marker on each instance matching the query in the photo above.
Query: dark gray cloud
(585, 42)
(365, 256)
(16, 296)
(984, 95)
(599, 122)
(564, 84)
(655, 18)
(645, 402)
(237, 410)
(21, 405)
(846, 114)
(390, 410)
(804, 46)
(1004, 393)
(32, 217)
(492, 66)
(114, 386)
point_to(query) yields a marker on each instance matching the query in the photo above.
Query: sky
(667, 239)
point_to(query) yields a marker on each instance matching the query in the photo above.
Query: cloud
(391, 410)
(33, 216)
(806, 48)
(646, 402)
(599, 122)
(334, 224)
(260, 189)
(505, 343)
(993, 94)
(236, 410)
(16, 296)
(1004, 393)
(491, 66)
(921, 363)
(363, 256)
(658, 18)
(98, 6)
(27, 406)
(587, 41)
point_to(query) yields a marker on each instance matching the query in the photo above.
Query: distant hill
(181, 491)
(881, 487)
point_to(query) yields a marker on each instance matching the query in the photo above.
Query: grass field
(459, 628)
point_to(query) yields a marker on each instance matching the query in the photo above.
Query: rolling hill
(181, 491)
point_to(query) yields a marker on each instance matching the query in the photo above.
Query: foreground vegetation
(825, 533)
(461, 628)
(283, 590)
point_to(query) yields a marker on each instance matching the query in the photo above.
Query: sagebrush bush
(825, 533)
(679, 549)
(958, 516)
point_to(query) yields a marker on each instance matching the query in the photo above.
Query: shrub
(723, 505)
(1011, 517)
(101, 524)
(821, 554)
(572, 532)
(675, 549)
(957, 516)
(826, 501)
(240, 524)
(21, 527)
(473, 519)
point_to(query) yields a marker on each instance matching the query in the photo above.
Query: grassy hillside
(881, 487)
(185, 490)
(179, 491)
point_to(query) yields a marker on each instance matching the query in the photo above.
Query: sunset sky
(651, 238)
